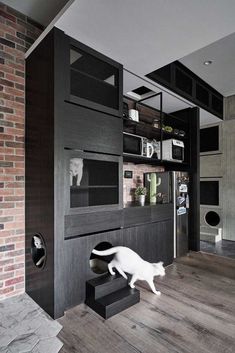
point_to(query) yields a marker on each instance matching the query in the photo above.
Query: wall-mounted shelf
(144, 128)
(153, 161)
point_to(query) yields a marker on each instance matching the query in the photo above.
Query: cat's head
(159, 270)
(37, 242)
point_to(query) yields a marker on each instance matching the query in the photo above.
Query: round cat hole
(38, 250)
(99, 264)
(212, 218)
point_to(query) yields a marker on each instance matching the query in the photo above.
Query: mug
(134, 114)
(149, 150)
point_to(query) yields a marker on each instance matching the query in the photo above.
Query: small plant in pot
(140, 194)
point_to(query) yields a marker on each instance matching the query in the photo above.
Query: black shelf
(94, 78)
(93, 187)
(174, 136)
(147, 130)
(147, 204)
(153, 161)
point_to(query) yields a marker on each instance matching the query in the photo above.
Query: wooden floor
(194, 314)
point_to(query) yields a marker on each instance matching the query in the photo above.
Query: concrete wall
(223, 165)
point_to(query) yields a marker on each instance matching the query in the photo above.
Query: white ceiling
(146, 35)
(171, 101)
(221, 73)
(41, 11)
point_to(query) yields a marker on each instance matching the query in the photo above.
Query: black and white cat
(126, 260)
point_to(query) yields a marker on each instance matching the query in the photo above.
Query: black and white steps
(109, 295)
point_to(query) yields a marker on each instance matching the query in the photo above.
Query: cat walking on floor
(126, 260)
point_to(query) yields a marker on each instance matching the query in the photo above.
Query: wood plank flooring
(194, 314)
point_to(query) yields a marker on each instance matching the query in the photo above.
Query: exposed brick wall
(17, 33)
(138, 170)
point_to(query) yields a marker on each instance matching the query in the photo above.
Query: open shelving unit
(144, 128)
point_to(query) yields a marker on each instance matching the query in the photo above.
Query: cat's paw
(157, 292)
(131, 285)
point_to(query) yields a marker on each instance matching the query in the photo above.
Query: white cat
(126, 260)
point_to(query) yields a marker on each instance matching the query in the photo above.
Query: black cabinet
(86, 129)
(153, 241)
(91, 181)
(74, 100)
(94, 80)
(178, 78)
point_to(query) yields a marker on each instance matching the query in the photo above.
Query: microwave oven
(173, 150)
(137, 145)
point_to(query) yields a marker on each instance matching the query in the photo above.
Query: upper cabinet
(94, 80)
(178, 78)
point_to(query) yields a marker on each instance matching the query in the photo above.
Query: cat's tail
(107, 252)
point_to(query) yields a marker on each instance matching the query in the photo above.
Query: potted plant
(140, 194)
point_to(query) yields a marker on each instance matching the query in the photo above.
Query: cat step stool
(109, 295)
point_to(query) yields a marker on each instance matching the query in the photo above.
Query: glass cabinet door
(93, 79)
(93, 180)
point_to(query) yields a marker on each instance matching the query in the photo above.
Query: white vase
(141, 200)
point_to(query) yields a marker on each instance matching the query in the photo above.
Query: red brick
(6, 233)
(6, 290)
(16, 66)
(6, 262)
(20, 272)
(19, 165)
(14, 198)
(15, 118)
(5, 150)
(14, 158)
(6, 68)
(14, 52)
(13, 212)
(19, 259)
(4, 192)
(15, 105)
(20, 285)
(19, 152)
(15, 239)
(17, 33)
(6, 137)
(6, 178)
(8, 29)
(15, 78)
(6, 205)
(16, 26)
(13, 267)
(6, 276)
(20, 245)
(12, 281)
(14, 253)
(7, 16)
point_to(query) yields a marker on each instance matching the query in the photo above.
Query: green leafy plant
(140, 190)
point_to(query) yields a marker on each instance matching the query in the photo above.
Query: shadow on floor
(223, 248)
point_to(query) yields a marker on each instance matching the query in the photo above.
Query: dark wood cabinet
(153, 241)
(65, 121)
(90, 130)
(93, 79)
(178, 78)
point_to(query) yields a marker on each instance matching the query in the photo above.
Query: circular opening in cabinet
(38, 250)
(99, 264)
(212, 218)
